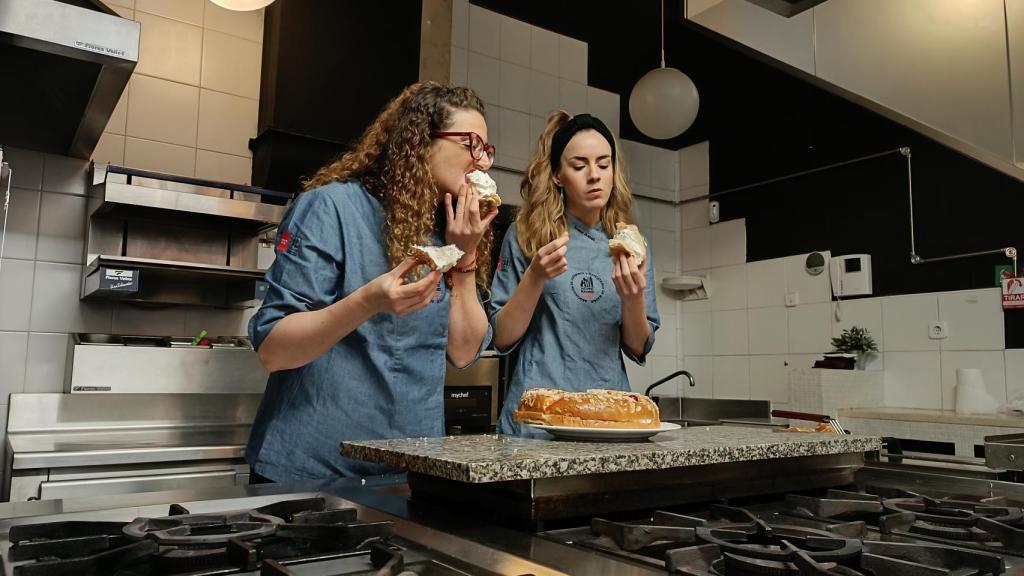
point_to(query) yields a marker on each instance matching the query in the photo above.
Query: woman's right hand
(389, 292)
(549, 261)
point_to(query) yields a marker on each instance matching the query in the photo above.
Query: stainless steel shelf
(169, 282)
(119, 192)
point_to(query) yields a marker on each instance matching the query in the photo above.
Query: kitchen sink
(714, 411)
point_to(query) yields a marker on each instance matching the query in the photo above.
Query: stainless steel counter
(64, 445)
(60, 450)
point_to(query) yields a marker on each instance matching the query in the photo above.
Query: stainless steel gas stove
(866, 531)
(890, 522)
(305, 534)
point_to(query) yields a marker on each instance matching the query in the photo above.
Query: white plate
(605, 434)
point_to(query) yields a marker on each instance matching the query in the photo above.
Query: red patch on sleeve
(283, 241)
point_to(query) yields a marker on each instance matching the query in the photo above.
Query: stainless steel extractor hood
(786, 8)
(63, 70)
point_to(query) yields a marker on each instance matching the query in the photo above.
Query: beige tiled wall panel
(248, 25)
(226, 122)
(163, 111)
(169, 49)
(231, 64)
(119, 116)
(191, 106)
(109, 149)
(187, 11)
(223, 167)
(160, 157)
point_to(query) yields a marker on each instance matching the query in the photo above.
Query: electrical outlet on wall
(938, 330)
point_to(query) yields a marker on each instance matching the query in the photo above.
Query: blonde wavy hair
(542, 218)
(392, 160)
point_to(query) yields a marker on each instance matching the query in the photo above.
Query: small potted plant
(858, 341)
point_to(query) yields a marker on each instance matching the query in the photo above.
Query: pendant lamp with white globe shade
(664, 103)
(242, 5)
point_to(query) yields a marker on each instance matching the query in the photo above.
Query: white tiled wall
(746, 317)
(919, 372)
(191, 105)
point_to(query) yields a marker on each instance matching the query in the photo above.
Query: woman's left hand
(466, 226)
(629, 278)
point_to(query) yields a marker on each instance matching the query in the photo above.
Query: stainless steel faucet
(689, 377)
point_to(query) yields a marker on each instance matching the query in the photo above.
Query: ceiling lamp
(664, 103)
(242, 5)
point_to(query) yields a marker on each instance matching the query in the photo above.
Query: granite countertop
(494, 458)
(937, 416)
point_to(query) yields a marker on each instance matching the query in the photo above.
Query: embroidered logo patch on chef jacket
(587, 287)
(283, 241)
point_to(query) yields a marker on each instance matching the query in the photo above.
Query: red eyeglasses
(477, 146)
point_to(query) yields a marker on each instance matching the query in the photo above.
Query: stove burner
(223, 543)
(203, 529)
(902, 558)
(106, 562)
(952, 512)
(778, 542)
(955, 520)
(799, 564)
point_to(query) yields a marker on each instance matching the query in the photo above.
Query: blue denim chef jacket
(383, 380)
(574, 338)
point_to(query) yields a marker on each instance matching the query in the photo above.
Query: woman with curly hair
(353, 331)
(558, 293)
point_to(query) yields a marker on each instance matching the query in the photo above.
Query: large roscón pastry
(629, 241)
(590, 409)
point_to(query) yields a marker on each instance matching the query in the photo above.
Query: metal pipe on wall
(915, 258)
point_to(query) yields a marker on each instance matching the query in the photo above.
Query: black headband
(576, 124)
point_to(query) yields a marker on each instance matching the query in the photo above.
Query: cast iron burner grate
(987, 523)
(291, 531)
(734, 542)
(387, 560)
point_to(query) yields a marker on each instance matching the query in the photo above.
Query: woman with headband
(558, 293)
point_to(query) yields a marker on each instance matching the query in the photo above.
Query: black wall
(329, 67)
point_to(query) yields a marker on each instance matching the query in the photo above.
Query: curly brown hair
(392, 160)
(542, 219)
